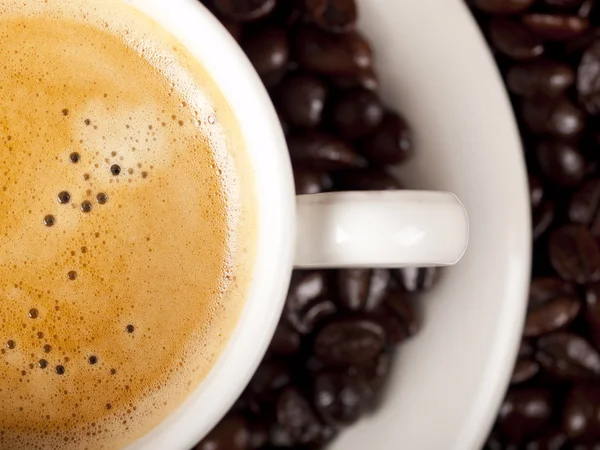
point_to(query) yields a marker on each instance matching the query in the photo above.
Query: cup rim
(194, 26)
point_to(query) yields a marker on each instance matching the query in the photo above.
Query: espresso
(127, 224)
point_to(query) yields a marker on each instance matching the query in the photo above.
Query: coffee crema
(127, 225)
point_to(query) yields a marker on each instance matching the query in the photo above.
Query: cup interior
(206, 39)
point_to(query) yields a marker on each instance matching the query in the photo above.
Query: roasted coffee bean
(357, 112)
(231, 433)
(536, 191)
(524, 413)
(244, 10)
(525, 369)
(307, 301)
(592, 311)
(286, 340)
(390, 143)
(311, 181)
(417, 279)
(272, 376)
(588, 78)
(296, 417)
(574, 254)
(550, 317)
(515, 40)
(542, 78)
(349, 341)
(362, 289)
(581, 413)
(568, 356)
(542, 218)
(301, 100)
(331, 54)
(320, 151)
(559, 118)
(365, 180)
(552, 439)
(584, 207)
(562, 4)
(553, 309)
(502, 6)
(340, 396)
(556, 27)
(258, 436)
(376, 371)
(337, 16)
(399, 306)
(365, 78)
(545, 289)
(269, 52)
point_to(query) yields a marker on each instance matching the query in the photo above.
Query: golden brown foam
(133, 299)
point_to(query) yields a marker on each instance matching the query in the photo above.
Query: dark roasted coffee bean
(269, 379)
(562, 4)
(322, 151)
(244, 10)
(542, 218)
(390, 143)
(524, 413)
(556, 117)
(543, 78)
(331, 54)
(581, 413)
(588, 78)
(340, 396)
(417, 279)
(258, 436)
(301, 100)
(502, 6)
(311, 181)
(231, 433)
(536, 191)
(269, 52)
(553, 304)
(568, 356)
(296, 417)
(545, 289)
(525, 369)
(347, 341)
(515, 40)
(362, 289)
(357, 112)
(365, 180)
(286, 341)
(307, 302)
(592, 311)
(376, 371)
(556, 27)
(337, 16)
(398, 305)
(366, 79)
(574, 254)
(555, 314)
(553, 439)
(584, 207)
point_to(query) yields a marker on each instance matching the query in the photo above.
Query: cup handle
(380, 229)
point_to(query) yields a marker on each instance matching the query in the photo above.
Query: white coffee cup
(351, 229)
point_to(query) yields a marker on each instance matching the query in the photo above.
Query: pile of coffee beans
(549, 54)
(332, 350)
